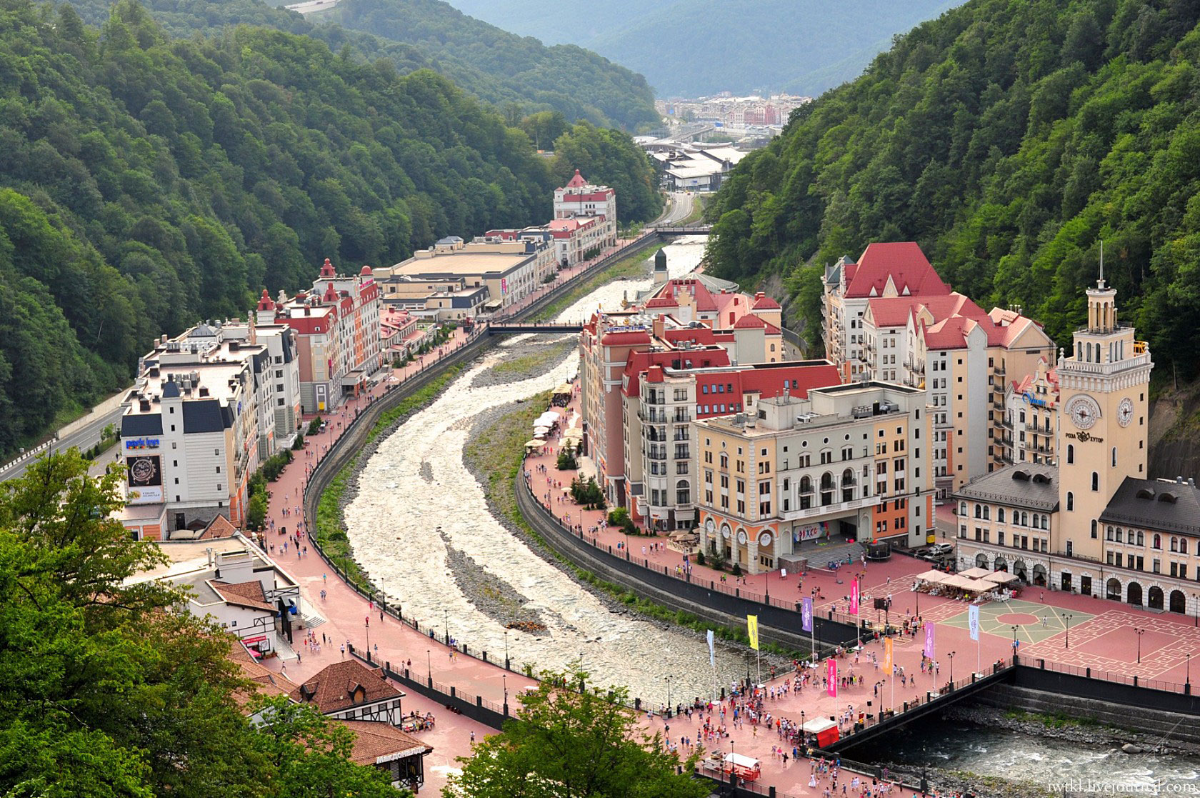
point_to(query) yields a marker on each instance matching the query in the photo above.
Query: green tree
(569, 742)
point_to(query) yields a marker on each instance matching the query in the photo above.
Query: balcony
(653, 415)
(828, 509)
(681, 417)
(655, 452)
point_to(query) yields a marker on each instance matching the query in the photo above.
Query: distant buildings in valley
(455, 280)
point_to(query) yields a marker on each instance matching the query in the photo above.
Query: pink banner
(854, 596)
(832, 677)
(929, 639)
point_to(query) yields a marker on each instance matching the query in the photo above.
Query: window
(1000, 515)
(1157, 544)
(1070, 454)
(1095, 482)
(1094, 532)
(1114, 457)
(1070, 501)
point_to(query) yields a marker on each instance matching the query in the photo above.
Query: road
(679, 207)
(84, 438)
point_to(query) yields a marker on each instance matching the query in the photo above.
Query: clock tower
(1104, 386)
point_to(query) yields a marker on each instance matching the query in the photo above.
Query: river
(416, 481)
(954, 745)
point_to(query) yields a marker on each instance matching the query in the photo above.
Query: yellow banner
(752, 630)
(887, 655)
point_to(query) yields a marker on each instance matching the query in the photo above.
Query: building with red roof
(337, 326)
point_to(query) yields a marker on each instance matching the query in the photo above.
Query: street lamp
(1139, 633)
(1188, 679)
(504, 677)
(446, 623)
(1067, 642)
(951, 656)
(668, 694)
(429, 662)
(367, 626)
(506, 650)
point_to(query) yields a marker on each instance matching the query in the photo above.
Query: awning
(1000, 577)
(533, 444)
(976, 573)
(565, 388)
(352, 379)
(937, 577)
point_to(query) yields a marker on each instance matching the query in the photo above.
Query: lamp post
(504, 678)
(951, 656)
(668, 695)
(506, 650)
(1139, 633)
(1188, 677)
(429, 663)
(446, 623)
(367, 626)
(1067, 642)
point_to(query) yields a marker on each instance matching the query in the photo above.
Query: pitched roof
(577, 181)
(1031, 485)
(767, 379)
(376, 742)
(1155, 504)
(619, 337)
(902, 261)
(243, 594)
(266, 682)
(334, 688)
(219, 527)
(750, 322)
(895, 311)
(662, 302)
(764, 302)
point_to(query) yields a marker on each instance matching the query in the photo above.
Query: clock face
(1084, 412)
(1125, 412)
(710, 526)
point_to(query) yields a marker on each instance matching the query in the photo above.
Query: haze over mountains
(698, 47)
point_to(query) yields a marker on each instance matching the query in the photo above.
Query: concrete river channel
(416, 482)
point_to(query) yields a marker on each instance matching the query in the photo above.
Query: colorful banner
(973, 621)
(752, 630)
(929, 639)
(887, 655)
(712, 650)
(831, 677)
(854, 596)
(806, 619)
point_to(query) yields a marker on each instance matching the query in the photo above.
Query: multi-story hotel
(849, 461)
(338, 334)
(1031, 418)
(891, 318)
(1102, 525)
(718, 365)
(206, 408)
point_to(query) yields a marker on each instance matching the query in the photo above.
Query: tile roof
(764, 302)
(346, 684)
(767, 380)
(1155, 504)
(376, 742)
(749, 322)
(266, 682)
(244, 594)
(1030, 485)
(902, 261)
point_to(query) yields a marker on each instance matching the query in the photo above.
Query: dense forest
(1008, 139)
(699, 47)
(516, 73)
(146, 183)
(112, 689)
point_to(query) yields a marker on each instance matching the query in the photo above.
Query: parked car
(941, 548)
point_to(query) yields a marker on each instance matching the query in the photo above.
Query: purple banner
(806, 614)
(929, 639)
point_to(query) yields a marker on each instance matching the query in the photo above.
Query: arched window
(1114, 457)
(1183, 547)
(1095, 481)
(1070, 501)
(1070, 454)
(805, 484)
(1157, 543)
(1108, 533)
(1175, 544)
(979, 511)
(987, 513)
(1000, 514)
(1045, 522)
(1093, 528)
(1035, 521)
(1024, 519)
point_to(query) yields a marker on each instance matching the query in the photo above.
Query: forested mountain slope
(1008, 138)
(567, 78)
(698, 47)
(490, 63)
(148, 183)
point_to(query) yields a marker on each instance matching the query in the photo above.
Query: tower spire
(1100, 282)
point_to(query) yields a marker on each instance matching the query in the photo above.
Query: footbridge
(517, 328)
(683, 230)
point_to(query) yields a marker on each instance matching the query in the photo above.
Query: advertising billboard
(144, 473)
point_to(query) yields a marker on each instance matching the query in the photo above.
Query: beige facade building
(1031, 418)
(1106, 528)
(848, 462)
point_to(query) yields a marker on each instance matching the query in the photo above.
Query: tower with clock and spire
(1104, 387)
